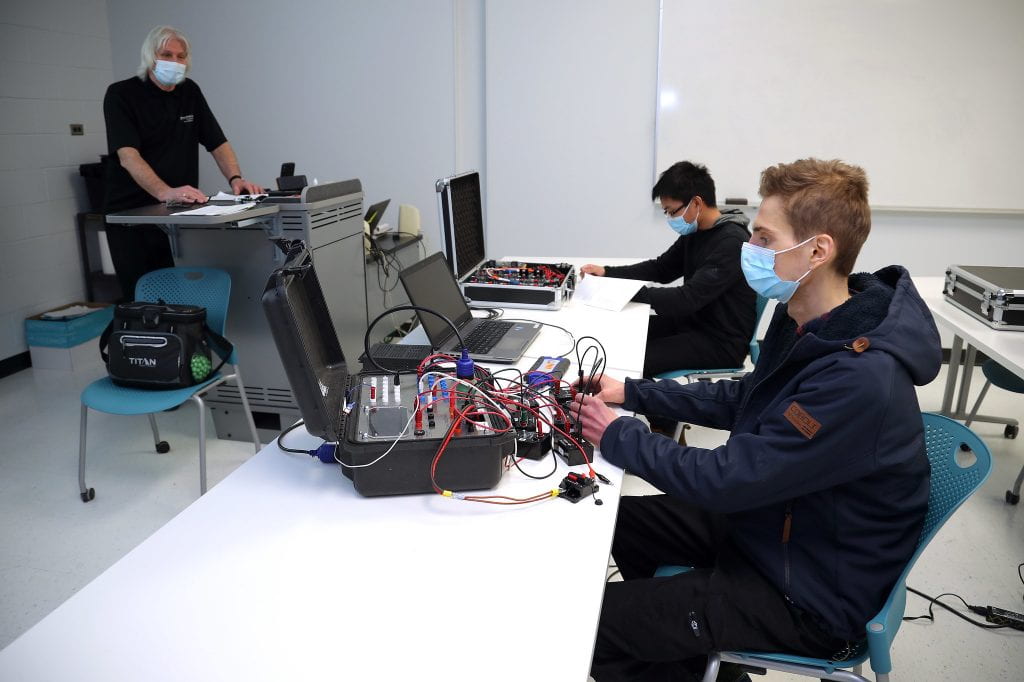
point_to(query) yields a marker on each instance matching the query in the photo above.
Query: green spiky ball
(201, 367)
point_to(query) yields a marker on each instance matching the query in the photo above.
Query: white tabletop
(1005, 347)
(283, 572)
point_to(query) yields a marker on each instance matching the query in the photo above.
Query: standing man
(800, 524)
(707, 322)
(155, 123)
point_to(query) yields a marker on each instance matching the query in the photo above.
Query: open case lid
(304, 334)
(462, 222)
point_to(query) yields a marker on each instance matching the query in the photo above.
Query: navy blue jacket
(825, 432)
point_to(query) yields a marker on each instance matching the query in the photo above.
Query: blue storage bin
(69, 332)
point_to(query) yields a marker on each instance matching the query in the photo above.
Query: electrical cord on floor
(932, 601)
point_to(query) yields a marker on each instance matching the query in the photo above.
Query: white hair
(155, 41)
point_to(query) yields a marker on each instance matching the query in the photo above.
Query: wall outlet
(77, 129)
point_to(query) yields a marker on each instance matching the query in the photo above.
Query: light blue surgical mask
(758, 264)
(680, 224)
(168, 73)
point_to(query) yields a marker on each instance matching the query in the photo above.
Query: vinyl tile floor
(53, 544)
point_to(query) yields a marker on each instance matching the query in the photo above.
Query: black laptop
(373, 215)
(430, 284)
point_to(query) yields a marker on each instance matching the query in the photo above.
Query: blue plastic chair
(997, 375)
(951, 484)
(207, 287)
(755, 351)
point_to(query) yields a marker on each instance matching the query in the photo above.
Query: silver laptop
(430, 284)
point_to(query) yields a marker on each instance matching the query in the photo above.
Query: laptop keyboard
(485, 336)
(397, 356)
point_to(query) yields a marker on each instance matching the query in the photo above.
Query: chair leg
(161, 446)
(1013, 496)
(202, 443)
(85, 493)
(248, 412)
(977, 404)
(711, 671)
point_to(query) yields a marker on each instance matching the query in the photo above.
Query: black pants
(655, 629)
(669, 348)
(136, 250)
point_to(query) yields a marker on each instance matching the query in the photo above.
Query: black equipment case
(993, 294)
(508, 284)
(364, 413)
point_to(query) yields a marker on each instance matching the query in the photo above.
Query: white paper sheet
(608, 293)
(224, 196)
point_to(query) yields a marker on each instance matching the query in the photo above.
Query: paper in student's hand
(608, 293)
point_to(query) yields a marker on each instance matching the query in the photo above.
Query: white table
(283, 572)
(1005, 347)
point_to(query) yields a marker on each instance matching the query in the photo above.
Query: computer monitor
(374, 213)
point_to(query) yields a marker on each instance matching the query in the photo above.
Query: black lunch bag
(158, 345)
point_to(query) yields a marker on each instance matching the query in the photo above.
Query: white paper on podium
(608, 293)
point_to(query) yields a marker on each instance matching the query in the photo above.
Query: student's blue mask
(758, 264)
(681, 226)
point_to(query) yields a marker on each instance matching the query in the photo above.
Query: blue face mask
(758, 264)
(168, 73)
(681, 226)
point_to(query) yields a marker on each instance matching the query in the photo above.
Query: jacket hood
(732, 215)
(885, 314)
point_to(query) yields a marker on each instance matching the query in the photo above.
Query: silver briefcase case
(993, 294)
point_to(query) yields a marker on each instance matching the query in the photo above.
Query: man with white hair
(155, 124)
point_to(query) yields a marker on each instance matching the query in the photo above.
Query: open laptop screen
(374, 214)
(430, 284)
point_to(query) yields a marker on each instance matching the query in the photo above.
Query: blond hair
(823, 197)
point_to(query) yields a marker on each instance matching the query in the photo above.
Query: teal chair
(952, 482)
(997, 375)
(207, 287)
(755, 350)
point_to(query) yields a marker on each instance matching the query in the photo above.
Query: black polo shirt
(167, 129)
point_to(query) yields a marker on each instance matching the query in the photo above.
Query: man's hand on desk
(243, 186)
(186, 194)
(591, 269)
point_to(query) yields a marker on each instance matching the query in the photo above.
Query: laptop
(430, 284)
(374, 213)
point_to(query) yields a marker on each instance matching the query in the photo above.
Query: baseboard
(15, 363)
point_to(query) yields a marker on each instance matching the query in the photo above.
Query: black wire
(284, 433)
(395, 309)
(935, 600)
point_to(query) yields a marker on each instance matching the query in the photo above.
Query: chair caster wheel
(163, 447)
(1011, 431)
(1011, 498)
(88, 495)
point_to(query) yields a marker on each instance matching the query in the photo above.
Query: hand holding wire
(594, 416)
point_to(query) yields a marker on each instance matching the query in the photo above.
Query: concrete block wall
(55, 65)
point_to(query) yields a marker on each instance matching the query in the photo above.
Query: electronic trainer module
(509, 284)
(387, 442)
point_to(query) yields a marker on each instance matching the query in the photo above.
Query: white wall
(570, 145)
(55, 65)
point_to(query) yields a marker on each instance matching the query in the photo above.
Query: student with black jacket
(707, 322)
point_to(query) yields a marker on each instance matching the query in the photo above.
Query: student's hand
(243, 186)
(186, 194)
(591, 269)
(594, 416)
(605, 388)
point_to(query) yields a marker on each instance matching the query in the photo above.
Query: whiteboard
(926, 95)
